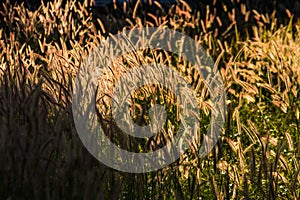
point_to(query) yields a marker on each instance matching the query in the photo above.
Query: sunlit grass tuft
(257, 156)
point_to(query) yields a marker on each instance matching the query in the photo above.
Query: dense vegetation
(256, 157)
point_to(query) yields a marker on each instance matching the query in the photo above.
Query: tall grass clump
(41, 155)
(41, 51)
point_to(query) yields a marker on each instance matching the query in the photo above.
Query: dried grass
(42, 156)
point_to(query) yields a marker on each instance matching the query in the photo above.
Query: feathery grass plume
(42, 157)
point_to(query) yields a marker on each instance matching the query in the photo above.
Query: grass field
(42, 157)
